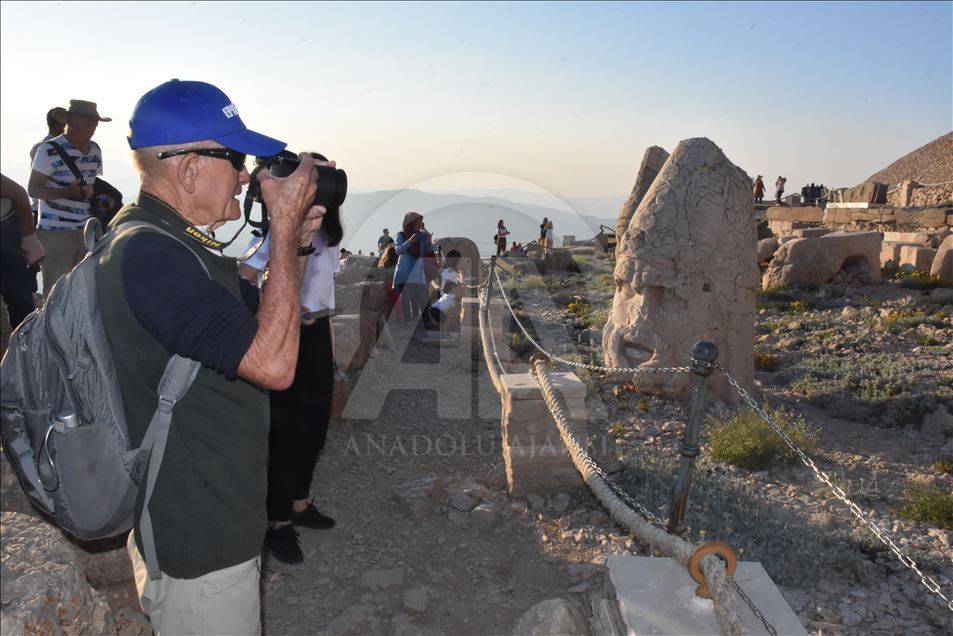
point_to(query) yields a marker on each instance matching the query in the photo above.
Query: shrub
(520, 344)
(925, 504)
(579, 308)
(943, 464)
(884, 389)
(617, 429)
(533, 281)
(746, 440)
(923, 280)
(765, 361)
(642, 405)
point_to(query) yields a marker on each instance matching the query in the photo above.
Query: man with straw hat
(64, 199)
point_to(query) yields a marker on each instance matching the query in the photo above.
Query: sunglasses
(237, 159)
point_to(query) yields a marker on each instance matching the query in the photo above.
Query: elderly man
(208, 507)
(63, 199)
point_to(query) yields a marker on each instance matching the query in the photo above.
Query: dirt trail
(446, 570)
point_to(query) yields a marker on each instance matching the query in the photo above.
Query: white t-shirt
(449, 274)
(66, 214)
(445, 302)
(317, 286)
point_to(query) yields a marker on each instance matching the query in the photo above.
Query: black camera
(332, 185)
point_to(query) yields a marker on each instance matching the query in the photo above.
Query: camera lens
(332, 187)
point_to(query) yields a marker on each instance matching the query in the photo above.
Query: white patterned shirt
(66, 214)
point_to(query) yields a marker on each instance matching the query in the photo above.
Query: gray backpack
(61, 413)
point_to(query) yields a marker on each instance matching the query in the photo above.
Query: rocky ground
(429, 542)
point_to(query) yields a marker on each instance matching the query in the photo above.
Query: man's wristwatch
(306, 251)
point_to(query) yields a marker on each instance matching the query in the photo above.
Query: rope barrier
(725, 604)
(882, 535)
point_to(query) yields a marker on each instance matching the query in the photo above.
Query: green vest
(208, 507)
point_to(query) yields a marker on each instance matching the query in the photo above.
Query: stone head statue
(686, 271)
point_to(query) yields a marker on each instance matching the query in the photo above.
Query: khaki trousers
(63, 249)
(223, 602)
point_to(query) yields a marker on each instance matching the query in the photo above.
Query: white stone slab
(858, 205)
(521, 386)
(657, 596)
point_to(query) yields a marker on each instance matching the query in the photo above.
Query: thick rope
(726, 606)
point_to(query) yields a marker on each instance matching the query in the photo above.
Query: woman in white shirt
(300, 414)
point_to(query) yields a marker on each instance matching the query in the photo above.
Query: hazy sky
(561, 96)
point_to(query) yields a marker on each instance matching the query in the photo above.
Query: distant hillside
(932, 163)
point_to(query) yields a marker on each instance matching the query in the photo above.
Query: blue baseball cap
(180, 112)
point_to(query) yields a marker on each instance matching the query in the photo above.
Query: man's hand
(310, 224)
(85, 191)
(289, 199)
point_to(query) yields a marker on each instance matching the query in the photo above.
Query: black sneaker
(283, 543)
(311, 518)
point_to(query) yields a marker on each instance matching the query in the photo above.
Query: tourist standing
(384, 241)
(160, 294)
(779, 188)
(64, 200)
(19, 249)
(542, 231)
(549, 235)
(300, 413)
(501, 234)
(409, 278)
(758, 189)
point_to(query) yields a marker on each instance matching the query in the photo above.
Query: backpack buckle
(166, 404)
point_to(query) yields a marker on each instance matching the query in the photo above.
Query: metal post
(703, 352)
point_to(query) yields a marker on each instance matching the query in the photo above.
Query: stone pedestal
(537, 461)
(657, 596)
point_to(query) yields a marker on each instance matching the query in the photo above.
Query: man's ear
(187, 172)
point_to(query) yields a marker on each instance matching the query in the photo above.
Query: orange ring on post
(539, 355)
(712, 547)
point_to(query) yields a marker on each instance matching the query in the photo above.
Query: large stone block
(369, 295)
(890, 253)
(810, 232)
(535, 456)
(803, 215)
(44, 589)
(915, 258)
(935, 217)
(815, 261)
(867, 192)
(657, 596)
(923, 239)
(942, 265)
(348, 350)
(837, 216)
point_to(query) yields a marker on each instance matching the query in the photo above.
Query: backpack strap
(173, 385)
(176, 379)
(68, 161)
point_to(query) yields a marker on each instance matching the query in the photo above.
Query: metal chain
(489, 328)
(927, 581)
(593, 367)
(754, 610)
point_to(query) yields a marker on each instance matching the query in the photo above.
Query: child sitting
(444, 308)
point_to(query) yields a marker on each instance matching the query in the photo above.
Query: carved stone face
(686, 271)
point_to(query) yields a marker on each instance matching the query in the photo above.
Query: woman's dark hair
(332, 226)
